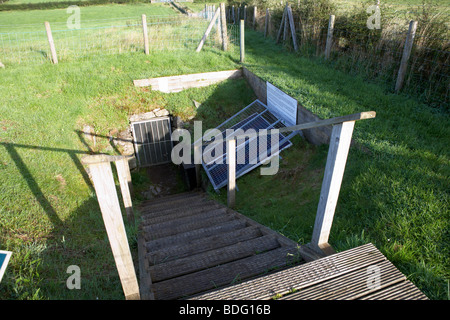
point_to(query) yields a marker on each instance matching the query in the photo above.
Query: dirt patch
(165, 180)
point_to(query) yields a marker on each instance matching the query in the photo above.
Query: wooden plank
(223, 23)
(109, 205)
(208, 30)
(292, 27)
(175, 214)
(145, 34)
(231, 160)
(299, 277)
(123, 173)
(352, 285)
(191, 235)
(404, 290)
(267, 23)
(195, 246)
(255, 16)
(178, 83)
(145, 281)
(341, 137)
(283, 23)
(406, 53)
(329, 36)
(50, 42)
(208, 259)
(224, 274)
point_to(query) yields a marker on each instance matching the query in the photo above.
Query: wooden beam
(51, 43)
(292, 26)
(329, 36)
(208, 30)
(255, 16)
(267, 23)
(283, 22)
(123, 173)
(231, 161)
(242, 41)
(105, 190)
(341, 137)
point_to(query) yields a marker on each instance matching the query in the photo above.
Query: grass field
(394, 193)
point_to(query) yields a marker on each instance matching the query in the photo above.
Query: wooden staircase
(190, 245)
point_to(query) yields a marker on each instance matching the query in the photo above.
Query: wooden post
(283, 23)
(291, 23)
(267, 22)
(233, 15)
(208, 30)
(329, 36)
(123, 173)
(109, 205)
(242, 41)
(51, 43)
(144, 30)
(223, 22)
(286, 25)
(406, 53)
(255, 16)
(245, 15)
(341, 136)
(231, 159)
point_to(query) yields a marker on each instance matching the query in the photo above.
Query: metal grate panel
(152, 141)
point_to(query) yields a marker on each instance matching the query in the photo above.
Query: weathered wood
(329, 37)
(209, 259)
(109, 205)
(231, 161)
(195, 246)
(242, 41)
(255, 16)
(282, 24)
(406, 54)
(99, 158)
(286, 24)
(145, 34)
(172, 84)
(123, 173)
(292, 27)
(145, 280)
(223, 23)
(233, 14)
(334, 171)
(267, 23)
(300, 276)
(208, 30)
(194, 283)
(404, 290)
(245, 15)
(50, 42)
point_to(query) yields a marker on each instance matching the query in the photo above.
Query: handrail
(340, 140)
(102, 177)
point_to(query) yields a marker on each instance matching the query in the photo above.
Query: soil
(165, 180)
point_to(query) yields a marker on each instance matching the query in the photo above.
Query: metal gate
(152, 141)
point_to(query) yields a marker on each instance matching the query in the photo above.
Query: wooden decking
(194, 248)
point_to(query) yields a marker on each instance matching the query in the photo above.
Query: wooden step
(172, 197)
(172, 214)
(192, 235)
(212, 258)
(405, 290)
(187, 248)
(224, 274)
(188, 224)
(163, 203)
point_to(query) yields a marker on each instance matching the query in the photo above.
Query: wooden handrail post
(329, 36)
(231, 162)
(123, 173)
(255, 16)
(105, 189)
(406, 53)
(51, 43)
(341, 136)
(145, 33)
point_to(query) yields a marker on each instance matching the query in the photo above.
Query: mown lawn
(394, 193)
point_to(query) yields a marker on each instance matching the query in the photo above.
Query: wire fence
(112, 36)
(374, 53)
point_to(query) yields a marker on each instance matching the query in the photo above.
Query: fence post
(105, 189)
(51, 43)
(223, 22)
(291, 23)
(208, 30)
(341, 136)
(233, 15)
(329, 36)
(267, 22)
(242, 40)
(231, 157)
(245, 15)
(144, 29)
(255, 15)
(406, 53)
(123, 173)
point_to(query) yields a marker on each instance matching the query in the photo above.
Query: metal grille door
(152, 141)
